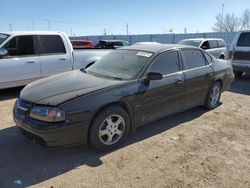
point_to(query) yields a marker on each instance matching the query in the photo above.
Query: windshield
(191, 42)
(120, 64)
(3, 37)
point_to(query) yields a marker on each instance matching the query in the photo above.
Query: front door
(22, 65)
(160, 98)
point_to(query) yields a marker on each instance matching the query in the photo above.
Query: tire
(213, 96)
(109, 128)
(238, 74)
(222, 57)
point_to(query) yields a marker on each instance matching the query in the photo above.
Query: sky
(93, 17)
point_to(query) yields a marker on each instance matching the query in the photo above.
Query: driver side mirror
(153, 76)
(3, 53)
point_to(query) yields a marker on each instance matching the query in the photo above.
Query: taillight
(231, 54)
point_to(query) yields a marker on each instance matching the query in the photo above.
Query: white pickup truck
(28, 56)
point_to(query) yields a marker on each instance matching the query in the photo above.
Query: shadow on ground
(12, 93)
(241, 85)
(31, 163)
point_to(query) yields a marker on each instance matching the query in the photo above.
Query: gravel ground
(195, 148)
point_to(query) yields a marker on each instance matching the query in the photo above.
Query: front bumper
(51, 134)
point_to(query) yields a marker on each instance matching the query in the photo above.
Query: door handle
(31, 61)
(62, 58)
(179, 80)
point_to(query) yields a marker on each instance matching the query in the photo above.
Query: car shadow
(241, 85)
(20, 159)
(11, 93)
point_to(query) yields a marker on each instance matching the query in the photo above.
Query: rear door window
(51, 44)
(166, 63)
(193, 59)
(221, 43)
(213, 44)
(244, 40)
(21, 46)
(117, 43)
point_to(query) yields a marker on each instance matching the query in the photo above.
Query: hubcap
(112, 129)
(215, 94)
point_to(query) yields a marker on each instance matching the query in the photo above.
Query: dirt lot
(196, 148)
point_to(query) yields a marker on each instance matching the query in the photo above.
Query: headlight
(48, 114)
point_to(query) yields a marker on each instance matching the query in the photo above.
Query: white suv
(239, 53)
(214, 46)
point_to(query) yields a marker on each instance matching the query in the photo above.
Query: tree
(231, 22)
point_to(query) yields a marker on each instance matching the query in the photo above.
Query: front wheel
(109, 128)
(213, 96)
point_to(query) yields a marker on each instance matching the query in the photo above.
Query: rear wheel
(238, 74)
(109, 128)
(213, 96)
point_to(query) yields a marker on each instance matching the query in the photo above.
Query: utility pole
(222, 11)
(10, 27)
(185, 30)
(105, 32)
(48, 23)
(32, 24)
(127, 28)
(71, 33)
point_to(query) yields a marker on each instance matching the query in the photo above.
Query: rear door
(198, 77)
(53, 55)
(214, 50)
(22, 65)
(161, 97)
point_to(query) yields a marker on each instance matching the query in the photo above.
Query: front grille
(242, 55)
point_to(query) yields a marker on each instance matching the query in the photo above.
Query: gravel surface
(195, 148)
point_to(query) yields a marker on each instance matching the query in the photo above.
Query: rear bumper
(57, 134)
(228, 82)
(241, 66)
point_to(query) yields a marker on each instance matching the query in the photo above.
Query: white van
(239, 53)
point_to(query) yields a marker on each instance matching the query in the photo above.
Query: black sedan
(125, 89)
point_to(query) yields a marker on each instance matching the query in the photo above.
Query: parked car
(239, 53)
(82, 44)
(143, 43)
(111, 44)
(28, 56)
(127, 88)
(214, 46)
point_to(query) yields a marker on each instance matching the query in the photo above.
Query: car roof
(157, 48)
(203, 39)
(113, 40)
(31, 32)
(81, 40)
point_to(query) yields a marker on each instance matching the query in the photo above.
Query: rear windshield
(191, 42)
(3, 37)
(244, 40)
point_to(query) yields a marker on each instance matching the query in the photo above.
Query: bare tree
(245, 20)
(231, 22)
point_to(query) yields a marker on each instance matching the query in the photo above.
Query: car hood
(62, 87)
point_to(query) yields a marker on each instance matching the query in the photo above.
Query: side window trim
(40, 51)
(184, 64)
(164, 75)
(36, 52)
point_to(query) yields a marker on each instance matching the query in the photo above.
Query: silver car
(214, 46)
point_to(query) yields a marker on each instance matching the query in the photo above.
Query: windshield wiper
(83, 70)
